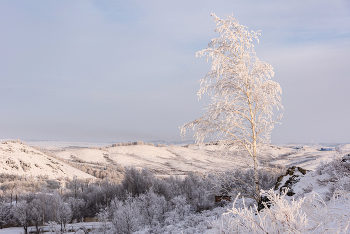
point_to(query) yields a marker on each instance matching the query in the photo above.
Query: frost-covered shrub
(103, 218)
(197, 190)
(53, 184)
(126, 216)
(282, 217)
(36, 212)
(336, 174)
(136, 182)
(239, 181)
(169, 187)
(64, 214)
(338, 167)
(164, 188)
(179, 209)
(22, 212)
(199, 223)
(5, 214)
(152, 208)
(77, 207)
(309, 214)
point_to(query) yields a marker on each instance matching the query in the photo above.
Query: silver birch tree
(243, 96)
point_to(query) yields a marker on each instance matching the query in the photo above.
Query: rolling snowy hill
(20, 159)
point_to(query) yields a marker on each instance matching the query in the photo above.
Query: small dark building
(222, 198)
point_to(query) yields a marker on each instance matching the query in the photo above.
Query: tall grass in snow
(310, 214)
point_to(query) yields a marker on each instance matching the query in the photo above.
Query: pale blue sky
(110, 71)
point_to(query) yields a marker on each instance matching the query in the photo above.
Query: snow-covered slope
(166, 160)
(20, 159)
(344, 149)
(307, 157)
(327, 177)
(178, 160)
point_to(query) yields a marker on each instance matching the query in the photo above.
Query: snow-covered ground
(178, 160)
(12, 230)
(307, 157)
(71, 228)
(320, 204)
(20, 159)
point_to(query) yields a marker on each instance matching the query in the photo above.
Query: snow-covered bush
(77, 207)
(53, 227)
(136, 182)
(36, 212)
(191, 224)
(5, 214)
(179, 209)
(64, 214)
(22, 212)
(335, 174)
(152, 208)
(103, 218)
(309, 214)
(126, 216)
(233, 182)
(198, 192)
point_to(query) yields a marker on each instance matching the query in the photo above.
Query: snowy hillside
(167, 160)
(328, 176)
(20, 159)
(179, 160)
(307, 157)
(344, 149)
